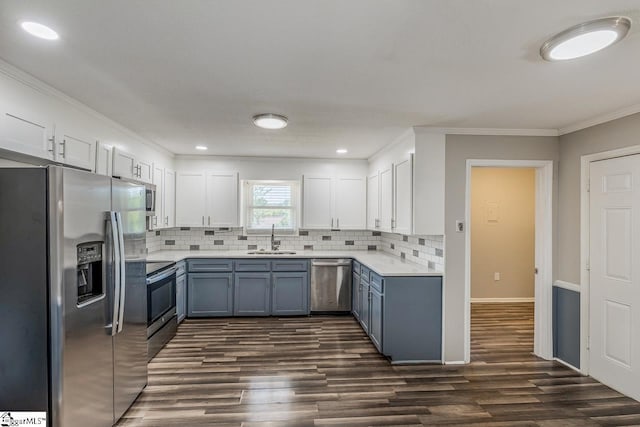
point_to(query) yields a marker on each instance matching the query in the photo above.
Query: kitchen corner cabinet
(390, 198)
(27, 131)
(210, 294)
(207, 199)
(375, 315)
(334, 202)
(104, 161)
(355, 300)
(290, 295)
(181, 293)
(128, 166)
(363, 303)
(252, 294)
(373, 202)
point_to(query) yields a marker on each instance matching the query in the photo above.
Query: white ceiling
(348, 73)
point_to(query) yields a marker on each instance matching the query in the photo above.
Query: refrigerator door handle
(115, 247)
(122, 285)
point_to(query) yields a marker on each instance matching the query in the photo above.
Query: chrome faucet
(274, 247)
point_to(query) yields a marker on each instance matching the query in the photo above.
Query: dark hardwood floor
(323, 371)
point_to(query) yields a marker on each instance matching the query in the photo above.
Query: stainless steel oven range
(161, 305)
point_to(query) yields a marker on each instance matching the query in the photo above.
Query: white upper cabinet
(330, 202)
(351, 203)
(403, 196)
(104, 162)
(207, 199)
(373, 202)
(127, 165)
(75, 149)
(27, 132)
(317, 202)
(169, 208)
(222, 199)
(190, 199)
(386, 199)
(158, 181)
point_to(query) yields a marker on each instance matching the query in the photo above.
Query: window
(268, 203)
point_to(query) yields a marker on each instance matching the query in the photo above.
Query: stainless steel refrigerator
(72, 295)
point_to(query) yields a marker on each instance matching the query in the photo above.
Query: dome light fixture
(270, 121)
(341, 151)
(202, 147)
(39, 30)
(585, 39)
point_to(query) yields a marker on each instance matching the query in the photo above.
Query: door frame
(543, 332)
(585, 313)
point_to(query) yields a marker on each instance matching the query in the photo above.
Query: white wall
(273, 168)
(22, 92)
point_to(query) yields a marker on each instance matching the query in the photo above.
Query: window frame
(248, 208)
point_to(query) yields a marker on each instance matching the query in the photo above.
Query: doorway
(542, 266)
(502, 231)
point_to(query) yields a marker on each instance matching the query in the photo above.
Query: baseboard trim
(502, 300)
(454, 362)
(568, 365)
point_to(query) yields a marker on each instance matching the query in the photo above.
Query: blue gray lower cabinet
(210, 294)
(566, 325)
(375, 315)
(290, 295)
(355, 295)
(181, 297)
(252, 294)
(363, 291)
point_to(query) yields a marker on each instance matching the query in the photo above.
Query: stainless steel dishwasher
(330, 285)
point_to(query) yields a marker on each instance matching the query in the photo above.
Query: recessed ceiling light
(201, 147)
(270, 121)
(341, 151)
(585, 39)
(39, 30)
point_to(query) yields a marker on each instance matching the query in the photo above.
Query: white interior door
(614, 302)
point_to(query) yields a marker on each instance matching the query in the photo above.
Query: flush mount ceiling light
(201, 147)
(270, 121)
(39, 30)
(585, 39)
(341, 151)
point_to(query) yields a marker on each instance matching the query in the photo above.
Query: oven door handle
(162, 275)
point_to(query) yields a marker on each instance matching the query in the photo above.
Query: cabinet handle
(202, 219)
(338, 223)
(63, 150)
(166, 220)
(52, 140)
(155, 221)
(331, 222)
(208, 220)
(393, 223)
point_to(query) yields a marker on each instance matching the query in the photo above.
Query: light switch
(496, 276)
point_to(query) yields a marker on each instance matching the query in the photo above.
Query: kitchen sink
(263, 252)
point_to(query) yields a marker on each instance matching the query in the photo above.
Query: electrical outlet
(460, 226)
(496, 276)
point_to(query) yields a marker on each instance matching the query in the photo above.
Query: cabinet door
(317, 205)
(375, 316)
(75, 150)
(190, 199)
(145, 171)
(252, 294)
(169, 209)
(351, 203)
(355, 296)
(403, 195)
(364, 305)
(104, 162)
(158, 181)
(209, 294)
(27, 132)
(124, 164)
(290, 294)
(373, 202)
(386, 199)
(222, 199)
(181, 297)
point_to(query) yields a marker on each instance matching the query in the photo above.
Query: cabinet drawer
(290, 265)
(356, 267)
(209, 265)
(253, 265)
(364, 273)
(376, 282)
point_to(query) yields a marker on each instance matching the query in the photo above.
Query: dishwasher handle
(330, 264)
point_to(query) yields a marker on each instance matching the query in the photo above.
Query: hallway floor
(323, 371)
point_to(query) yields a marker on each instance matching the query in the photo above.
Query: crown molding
(598, 120)
(31, 81)
(397, 140)
(487, 131)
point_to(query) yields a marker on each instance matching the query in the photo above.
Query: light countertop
(382, 263)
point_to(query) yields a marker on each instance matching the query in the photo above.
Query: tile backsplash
(426, 250)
